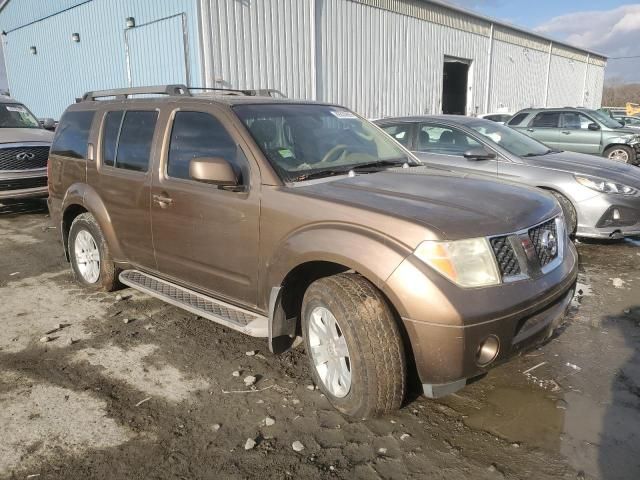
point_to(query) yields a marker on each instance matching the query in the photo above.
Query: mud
(155, 397)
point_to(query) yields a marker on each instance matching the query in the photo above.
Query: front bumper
(596, 216)
(446, 325)
(23, 184)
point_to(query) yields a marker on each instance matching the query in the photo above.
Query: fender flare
(85, 196)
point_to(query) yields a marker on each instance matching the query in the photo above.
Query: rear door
(157, 53)
(577, 136)
(204, 235)
(445, 145)
(123, 178)
(545, 127)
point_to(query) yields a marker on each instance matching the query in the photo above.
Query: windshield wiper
(320, 174)
(540, 154)
(380, 164)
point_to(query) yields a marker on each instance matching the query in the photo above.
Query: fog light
(616, 214)
(488, 351)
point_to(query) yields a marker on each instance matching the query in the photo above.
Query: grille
(22, 183)
(30, 158)
(536, 235)
(506, 257)
(187, 298)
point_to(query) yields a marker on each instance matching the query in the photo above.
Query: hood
(19, 135)
(590, 165)
(456, 205)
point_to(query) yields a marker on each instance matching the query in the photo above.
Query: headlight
(605, 186)
(467, 263)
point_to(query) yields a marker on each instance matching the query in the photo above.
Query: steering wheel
(332, 153)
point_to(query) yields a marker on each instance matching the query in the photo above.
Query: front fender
(85, 196)
(371, 253)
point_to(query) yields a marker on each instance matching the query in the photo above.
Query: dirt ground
(129, 388)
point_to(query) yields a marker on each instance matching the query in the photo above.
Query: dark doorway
(454, 87)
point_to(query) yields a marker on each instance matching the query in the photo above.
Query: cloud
(615, 33)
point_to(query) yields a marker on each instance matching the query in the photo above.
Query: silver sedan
(600, 197)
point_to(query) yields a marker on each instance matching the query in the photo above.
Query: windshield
(318, 140)
(14, 115)
(605, 119)
(511, 140)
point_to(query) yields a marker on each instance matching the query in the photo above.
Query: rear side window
(546, 120)
(128, 137)
(112, 124)
(198, 135)
(72, 135)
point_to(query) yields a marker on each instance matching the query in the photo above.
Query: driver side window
(444, 140)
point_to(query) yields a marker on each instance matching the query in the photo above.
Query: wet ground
(129, 387)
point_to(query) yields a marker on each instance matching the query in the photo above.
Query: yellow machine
(633, 109)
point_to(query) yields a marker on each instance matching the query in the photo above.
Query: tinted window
(517, 120)
(401, 133)
(134, 145)
(444, 140)
(15, 115)
(72, 135)
(197, 134)
(498, 117)
(575, 121)
(110, 134)
(546, 120)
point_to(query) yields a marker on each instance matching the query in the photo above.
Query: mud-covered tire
(378, 367)
(107, 279)
(621, 153)
(569, 212)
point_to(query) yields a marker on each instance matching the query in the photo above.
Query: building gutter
(206, 55)
(546, 86)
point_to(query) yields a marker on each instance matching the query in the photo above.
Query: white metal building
(379, 57)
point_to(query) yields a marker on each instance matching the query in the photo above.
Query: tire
(376, 362)
(621, 153)
(569, 212)
(84, 232)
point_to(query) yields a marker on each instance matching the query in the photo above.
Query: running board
(217, 311)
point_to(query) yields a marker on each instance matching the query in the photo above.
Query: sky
(610, 27)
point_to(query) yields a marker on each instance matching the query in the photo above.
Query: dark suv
(580, 130)
(285, 219)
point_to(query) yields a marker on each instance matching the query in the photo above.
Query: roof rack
(124, 93)
(176, 90)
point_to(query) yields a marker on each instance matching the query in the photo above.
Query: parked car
(579, 130)
(599, 197)
(282, 218)
(24, 149)
(497, 117)
(627, 121)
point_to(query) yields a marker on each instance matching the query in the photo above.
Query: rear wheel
(91, 261)
(621, 153)
(569, 212)
(354, 345)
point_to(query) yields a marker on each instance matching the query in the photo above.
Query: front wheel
(621, 153)
(354, 346)
(569, 212)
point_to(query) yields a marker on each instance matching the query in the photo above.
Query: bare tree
(617, 93)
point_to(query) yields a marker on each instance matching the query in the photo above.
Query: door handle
(530, 130)
(565, 132)
(163, 201)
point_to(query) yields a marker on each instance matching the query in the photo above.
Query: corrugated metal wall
(383, 63)
(379, 57)
(518, 77)
(265, 44)
(62, 69)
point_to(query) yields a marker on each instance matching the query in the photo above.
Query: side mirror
(214, 170)
(479, 154)
(48, 123)
(594, 126)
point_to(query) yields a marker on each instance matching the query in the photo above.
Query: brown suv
(285, 219)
